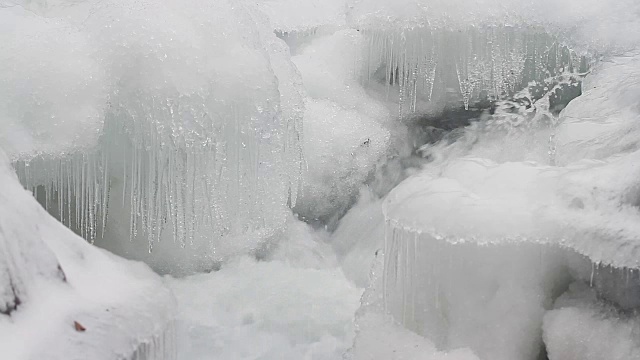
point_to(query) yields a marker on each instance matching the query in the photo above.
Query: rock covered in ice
(69, 299)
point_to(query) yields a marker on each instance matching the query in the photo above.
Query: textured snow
(345, 129)
(59, 279)
(583, 328)
(296, 306)
(52, 92)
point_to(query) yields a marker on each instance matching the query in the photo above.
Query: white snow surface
(123, 306)
(582, 328)
(297, 305)
(52, 92)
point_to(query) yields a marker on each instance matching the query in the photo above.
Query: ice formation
(69, 299)
(494, 222)
(196, 127)
(346, 131)
(430, 67)
(484, 201)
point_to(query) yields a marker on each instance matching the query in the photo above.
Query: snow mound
(71, 300)
(249, 302)
(583, 328)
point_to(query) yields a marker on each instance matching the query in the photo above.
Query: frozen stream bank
(366, 179)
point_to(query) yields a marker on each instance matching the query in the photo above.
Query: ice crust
(51, 278)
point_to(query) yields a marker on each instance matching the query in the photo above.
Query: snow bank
(69, 299)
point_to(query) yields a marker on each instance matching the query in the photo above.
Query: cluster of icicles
(424, 64)
(234, 183)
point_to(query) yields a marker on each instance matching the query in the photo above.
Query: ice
(582, 327)
(427, 68)
(380, 337)
(345, 130)
(71, 300)
(197, 130)
(523, 190)
(588, 24)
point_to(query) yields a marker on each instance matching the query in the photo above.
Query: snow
(245, 310)
(60, 280)
(582, 327)
(53, 92)
(345, 130)
(295, 16)
(603, 121)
